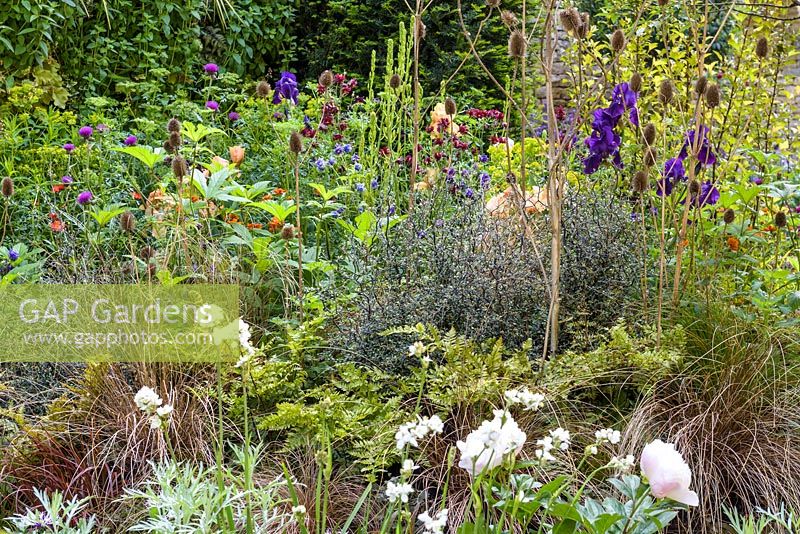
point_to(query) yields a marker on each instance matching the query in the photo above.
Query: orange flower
(275, 224)
(237, 154)
(770, 228)
(136, 196)
(733, 244)
(266, 197)
(57, 188)
(232, 218)
(56, 225)
(278, 191)
(255, 226)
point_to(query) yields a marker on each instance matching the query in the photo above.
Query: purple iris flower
(85, 132)
(604, 141)
(211, 68)
(69, 147)
(704, 155)
(673, 172)
(213, 105)
(709, 195)
(286, 88)
(130, 140)
(85, 197)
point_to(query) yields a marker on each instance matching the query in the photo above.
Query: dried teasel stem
(295, 147)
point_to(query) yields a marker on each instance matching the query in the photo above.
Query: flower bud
(237, 154)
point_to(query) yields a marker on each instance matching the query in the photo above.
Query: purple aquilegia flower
(756, 179)
(704, 155)
(85, 197)
(213, 105)
(85, 132)
(130, 140)
(374, 184)
(604, 141)
(13, 255)
(286, 88)
(360, 187)
(486, 180)
(233, 116)
(211, 68)
(66, 180)
(69, 147)
(469, 193)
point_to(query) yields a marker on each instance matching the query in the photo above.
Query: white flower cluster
(608, 435)
(530, 401)
(398, 491)
(408, 468)
(410, 433)
(490, 443)
(558, 439)
(622, 463)
(435, 524)
(299, 510)
(419, 349)
(248, 350)
(151, 404)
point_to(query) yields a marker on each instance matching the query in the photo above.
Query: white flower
(493, 440)
(408, 468)
(416, 349)
(155, 422)
(147, 400)
(244, 340)
(164, 411)
(299, 510)
(435, 524)
(405, 435)
(531, 401)
(592, 450)
(667, 473)
(399, 491)
(544, 452)
(608, 435)
(410, 433)
(561, 438)
(622, 463)
(435, 424)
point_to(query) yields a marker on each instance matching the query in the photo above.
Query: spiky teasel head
(762, 48)
(179, 168)
(494, 4)
(700, 85)
(7, 187)
(127, 222)
(729, 216)
(263, 89)
(516, 44)
(287, 232)
(694, 188)
(450, 106)
(295, 143)
(650, 157)
(509, 19)
(666, 92)
(167, 146)
(663, 3)
(780, 219)
(147, 252)
(712, 95)
(617, 41)
(175, 140)
(583, 29)
(649, 134)
(326, 78)
(570, 20)
(641, 181)
(174, 125)
(636, 82)
(395, 81)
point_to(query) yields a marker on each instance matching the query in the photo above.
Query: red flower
(57, 188)
(56, 225)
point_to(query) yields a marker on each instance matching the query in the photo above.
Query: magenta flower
(69, 147)
(211, 68)
(85, 197)
(213, 105)
(130, 140)
(233, 116)
(66, 180)
(85, 132)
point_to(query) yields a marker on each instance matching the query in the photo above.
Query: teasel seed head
(694, 188)
(636, 82)
(295, 143)
(326, 78)
(179, 167)
(780, 219)
(762, 48)
(263, 89)
(175, 140)
(712, 95)
(700, 85)
(174, 125)
(167, 146)
(421, 29)
(729, 216)
(450, 106)
(617, 41)
(287, 232)
(395, 81)
(127, 221)
(493, 3)
(583, 29)
(649, 134)
(509, 19)
(570, 20)
(650, 157)
(516, 44)
(147, 252)
(663, 3)
(666, 92)
(641, 181)
(7, 187)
